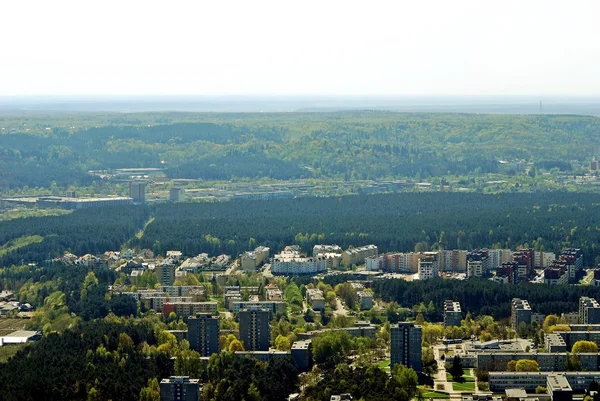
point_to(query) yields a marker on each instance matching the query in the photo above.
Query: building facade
(406, 345)
(203, 333)
(255, 329)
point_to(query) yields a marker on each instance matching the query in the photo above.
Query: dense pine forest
(38, 150)
(394, 222)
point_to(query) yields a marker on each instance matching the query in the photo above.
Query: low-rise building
(315, 298)
(252, 260)
(322, 249)
(578, 381)
(365, 300)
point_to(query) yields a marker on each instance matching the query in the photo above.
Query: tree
(541, 390)
(511, 366)
(331, 348)
(236, 345)
(456, 370)
(430, 366)
(559, 327)
(583, 346)
(549, 321)
(527, 365)
(282, 343)
(151, 392)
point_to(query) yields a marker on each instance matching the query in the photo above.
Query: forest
(36, 150)
(394, 222)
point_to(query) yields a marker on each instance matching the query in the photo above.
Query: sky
(288, 47)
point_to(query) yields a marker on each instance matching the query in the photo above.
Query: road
(339, 308)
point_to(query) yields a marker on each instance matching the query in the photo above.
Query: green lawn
(435, 394)
(8, 351)
(383, 364)
(468, 386)
(468, 379)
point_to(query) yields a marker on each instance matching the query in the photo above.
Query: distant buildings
(165, 273)
(272, 307)
(428, 266)
(589, 311)
(357, 256)
(179, 388)
(452, 313)
(175, 194)
(291, 263)
(520, 312)
(203, 333)
(252, 260)
(322, 249)
(406, 345)
(478, 263)
(255, 329)
(137, 191)
(186, 309)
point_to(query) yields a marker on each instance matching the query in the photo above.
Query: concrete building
(498, 256)
(255, 329)
(357, 256)
(452, 313)
(589, 311)
(273, 307)
(291, 263)
(520, 312)
(578, 381)
(315, 298)
(186, 309)
(20, 337)
(453, 260)
(478, 263)
(137, 191)
(428, 267)
(203, 333)
(375, 263)
(322, 249)
(302, 354)
(555, 343)
(365, 300)
(548, 362)
(543, 259)
(252, 260)
(332, 260)
(165, 273)
(360, 329)
(175, 194)
(556, 274)
(555, 340)
(406, 345)
(179, 388)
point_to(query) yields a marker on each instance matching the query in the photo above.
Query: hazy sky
(286, 47)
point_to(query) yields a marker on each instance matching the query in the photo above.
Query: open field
(8, 351)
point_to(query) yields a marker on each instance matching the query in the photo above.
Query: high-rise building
(203, 333)
(589, 311)
(520, 312)
(255, 329)
(478, 263)
(137, 191)
(406, 345)
(179, 388)
(165, 273)
(428, 266)
(452, 313)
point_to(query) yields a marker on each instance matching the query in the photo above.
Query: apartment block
(478, 263)
(272, 306)
(165, 273)
(548, 362)
(302, 354)
(406, 345)
(520, 312)
(291, 263)
(428, 267)
(253, 259)
(255, 329)
(453, 261)
(180, 388)
(186, 309)
(357, 256)
(589, 311)
(315, 298)
(203, 333)
(365, 300)
(452, 313)
(322, 249)
(578, 381)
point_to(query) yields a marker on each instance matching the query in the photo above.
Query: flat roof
(22, 333)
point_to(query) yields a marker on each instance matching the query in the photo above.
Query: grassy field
(467, 386)
(7, 351)
(7, 326)
(383, 364)
(435, 394)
